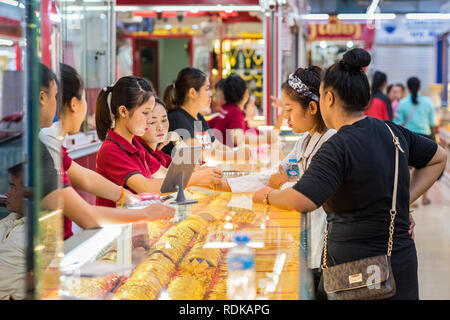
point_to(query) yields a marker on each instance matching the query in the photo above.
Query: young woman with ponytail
(76, 208)
(184, 99)
(123, 115)
(416, 113)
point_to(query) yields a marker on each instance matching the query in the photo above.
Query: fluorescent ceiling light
(10, 2)
(314, 16)
(373, 6)
(364, 16)
(428, 16)
(6, 42)
(191, 8)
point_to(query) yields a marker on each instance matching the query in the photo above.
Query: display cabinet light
(350, 44)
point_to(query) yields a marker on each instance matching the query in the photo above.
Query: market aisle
(433, 244)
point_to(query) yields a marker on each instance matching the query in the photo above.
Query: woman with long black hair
(380, 105)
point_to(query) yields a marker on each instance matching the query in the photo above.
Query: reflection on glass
(12, 168)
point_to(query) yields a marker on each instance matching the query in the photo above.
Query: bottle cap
(241, 239)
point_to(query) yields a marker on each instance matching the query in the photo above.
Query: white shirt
(304, 148)
(51, 137)
(12, 257)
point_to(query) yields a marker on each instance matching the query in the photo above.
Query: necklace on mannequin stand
(248, 52)
(258, 59)
(233, 57)
(258, 78)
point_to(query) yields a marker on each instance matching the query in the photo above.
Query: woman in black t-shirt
(352, 176)
(184, 99)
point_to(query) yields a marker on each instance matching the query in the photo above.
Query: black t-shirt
(188, 127)
(352, 176)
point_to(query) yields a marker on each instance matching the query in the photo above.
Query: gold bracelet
(121, 201)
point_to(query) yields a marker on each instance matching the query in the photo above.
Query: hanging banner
(336, 30)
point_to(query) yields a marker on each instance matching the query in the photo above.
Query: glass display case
(185, 259)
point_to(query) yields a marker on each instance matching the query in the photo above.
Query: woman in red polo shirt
(158, 136)
(76, 208)
(122, 158)
(230, 121)
(184, 99)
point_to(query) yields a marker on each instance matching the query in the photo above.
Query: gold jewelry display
(258, 59)
(258, 77)
(246, 76)
(233, 57)
(248, 52)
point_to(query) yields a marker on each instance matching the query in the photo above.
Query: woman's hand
(206, 177)
(158, 211)
(260, 195)
(130, 198)
(278, 104)
(277, 179)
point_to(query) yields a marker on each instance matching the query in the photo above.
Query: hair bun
(357, 58)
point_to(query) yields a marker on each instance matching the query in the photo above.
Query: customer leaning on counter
(76, 208)
(123, 114)
(352, 176)
(300, 96)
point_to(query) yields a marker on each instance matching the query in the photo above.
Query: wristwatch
(266, 198)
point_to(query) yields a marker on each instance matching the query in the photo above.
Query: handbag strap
(409, 115)
(393, 210)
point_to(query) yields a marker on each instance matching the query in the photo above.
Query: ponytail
(414, 86)
(103, 120)
(130, 92)
(175, 93)
(169, 99)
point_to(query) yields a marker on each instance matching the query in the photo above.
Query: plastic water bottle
(241, 271)
(292, 170)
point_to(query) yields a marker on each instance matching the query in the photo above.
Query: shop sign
(406, 31)
(335, 30)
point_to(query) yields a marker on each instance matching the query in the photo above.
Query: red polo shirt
(118, 160)
(378, 109)
(66, 163)
(158, 158)
(230, 117)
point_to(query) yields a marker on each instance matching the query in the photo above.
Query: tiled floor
(433, 244)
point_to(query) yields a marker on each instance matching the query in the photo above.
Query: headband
(297, 84)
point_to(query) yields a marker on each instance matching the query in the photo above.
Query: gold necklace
(233, 59)
(258, 59)
(258, 78)
(248, 52)
(247, 76)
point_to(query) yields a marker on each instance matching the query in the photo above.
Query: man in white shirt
(12, 239)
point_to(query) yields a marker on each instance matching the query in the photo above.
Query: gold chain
(324, 263)
(391, 232)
